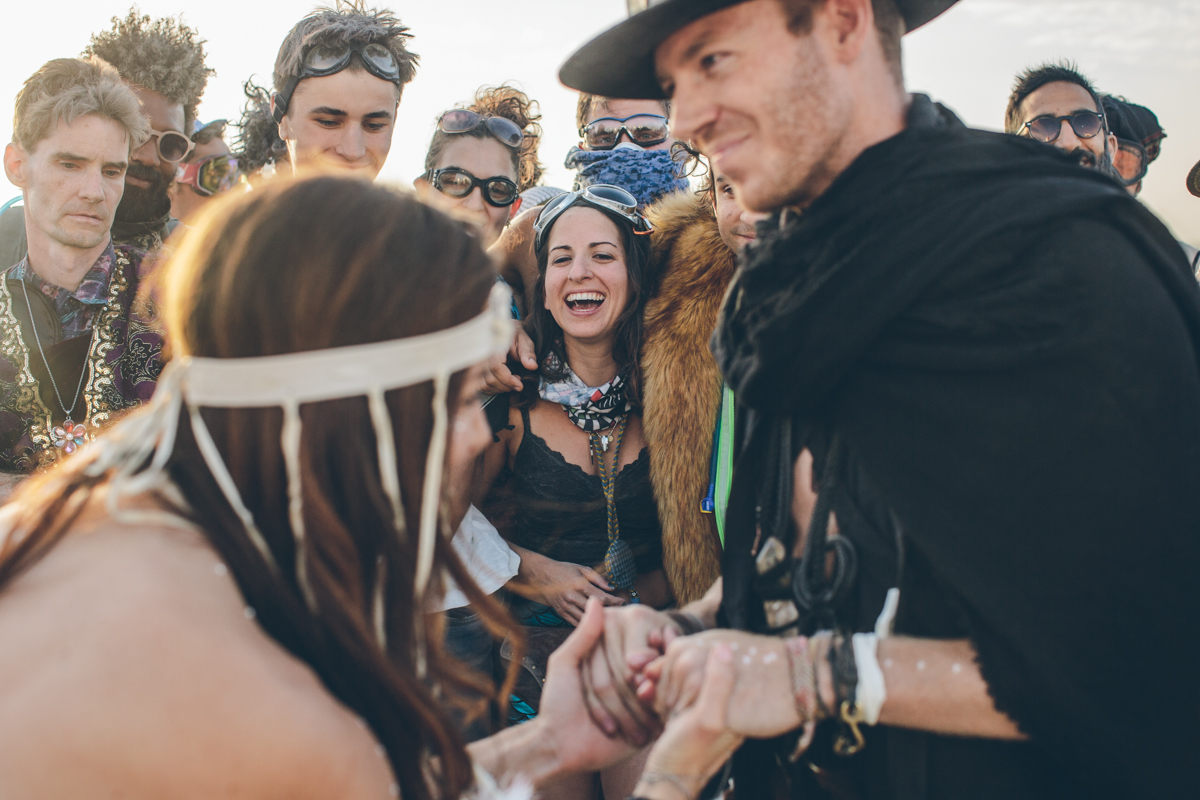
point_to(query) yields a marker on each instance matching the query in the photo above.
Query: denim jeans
(469, 641)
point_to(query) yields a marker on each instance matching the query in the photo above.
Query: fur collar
(682, 385)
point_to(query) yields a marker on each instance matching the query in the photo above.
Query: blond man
(67, 307)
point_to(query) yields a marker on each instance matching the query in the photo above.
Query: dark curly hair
(257, 143)
(162, 55)
(511, 104)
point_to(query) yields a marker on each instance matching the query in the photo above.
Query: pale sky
(1146, 50)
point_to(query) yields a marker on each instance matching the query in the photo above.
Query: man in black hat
(966, 373)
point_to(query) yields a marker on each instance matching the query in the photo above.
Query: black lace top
(561, 511)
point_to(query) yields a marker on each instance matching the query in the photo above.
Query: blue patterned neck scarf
(646, 174)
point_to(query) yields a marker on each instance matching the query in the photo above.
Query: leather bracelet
(849, 739)
(688, 623)
(804, 692)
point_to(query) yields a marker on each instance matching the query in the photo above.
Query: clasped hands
(644, 673)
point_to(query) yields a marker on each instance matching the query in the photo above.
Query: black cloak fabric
(1005, 345)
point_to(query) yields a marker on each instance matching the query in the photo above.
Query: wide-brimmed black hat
(1193, 180)
(620, 62)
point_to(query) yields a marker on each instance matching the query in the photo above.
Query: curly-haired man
(162, 60)
(338, 79)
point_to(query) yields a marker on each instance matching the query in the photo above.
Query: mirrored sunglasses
(210, 175)
(645, 130)
(1130, 161)
(1085, 124)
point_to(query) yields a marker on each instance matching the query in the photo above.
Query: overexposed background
(1146, 50)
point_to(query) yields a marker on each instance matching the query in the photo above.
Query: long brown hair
(307, 265)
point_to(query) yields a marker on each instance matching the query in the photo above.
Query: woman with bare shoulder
(223, 595)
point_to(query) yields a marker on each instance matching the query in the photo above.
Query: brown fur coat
(681, 384)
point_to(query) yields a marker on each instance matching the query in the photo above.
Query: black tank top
(561, 511)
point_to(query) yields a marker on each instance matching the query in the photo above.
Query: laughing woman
(586, 521)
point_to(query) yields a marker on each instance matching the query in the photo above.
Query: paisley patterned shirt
(76, 309)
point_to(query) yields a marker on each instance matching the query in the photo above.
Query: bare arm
(935, 685)
(932, 685)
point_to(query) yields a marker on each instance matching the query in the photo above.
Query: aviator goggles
(319, 62)
(461, 120)
(209, 175)
(1086, 124)
(602, 196)
(498, 191)
(645, 130)
(172, 146)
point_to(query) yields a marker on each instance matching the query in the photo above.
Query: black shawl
(1005, 344)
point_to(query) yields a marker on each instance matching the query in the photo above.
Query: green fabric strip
(724, 460)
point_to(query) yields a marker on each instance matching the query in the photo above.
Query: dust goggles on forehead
(322, 61)
(172, 146)
(498, 191)
(602, 196)
(1086, 124)
(461, 120)
(210, 175)
(645, 130)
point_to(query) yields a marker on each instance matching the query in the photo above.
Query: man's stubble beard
(816, 125)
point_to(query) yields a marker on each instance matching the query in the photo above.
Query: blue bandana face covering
(646, 174)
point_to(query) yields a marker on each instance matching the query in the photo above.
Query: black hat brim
(620, 62)
(1193, 180)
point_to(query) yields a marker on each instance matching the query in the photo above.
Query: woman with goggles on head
(482, 157)
(586, 523)
(206, 171)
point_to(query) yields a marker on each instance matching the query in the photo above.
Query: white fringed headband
(288, 381)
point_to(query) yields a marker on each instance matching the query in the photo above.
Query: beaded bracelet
(804, 692)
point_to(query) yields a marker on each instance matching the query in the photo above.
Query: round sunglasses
(497, 191)
(173, 146)
(1085, 124)
(461, 120)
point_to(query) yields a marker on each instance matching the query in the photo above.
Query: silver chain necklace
(70, 436)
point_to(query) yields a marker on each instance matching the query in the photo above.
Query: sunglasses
(602, 196)
(319, 62)
(210, 175)
(642, 129)
(498, 191)
(1131, 161)
(460, 120)
(1086, 124)
(173, 146)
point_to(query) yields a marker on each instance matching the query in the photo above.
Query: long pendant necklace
(619, 563)
(71, 435)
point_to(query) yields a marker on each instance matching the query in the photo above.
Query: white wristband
(871, 691)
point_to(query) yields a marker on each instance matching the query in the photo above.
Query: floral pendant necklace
(71, 435)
